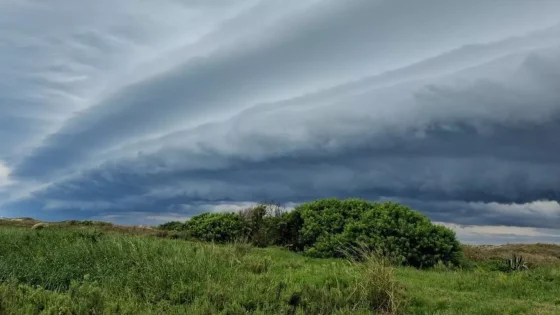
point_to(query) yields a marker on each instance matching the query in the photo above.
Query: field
(74, 269)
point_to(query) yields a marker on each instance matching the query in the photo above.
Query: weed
(380, 286)
(516, 263)
(258, 265)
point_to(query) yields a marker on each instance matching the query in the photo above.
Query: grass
(82, 271)
(71, 269)
(482, 292)
(538, 255)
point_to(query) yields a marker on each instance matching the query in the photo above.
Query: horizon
(140, 113)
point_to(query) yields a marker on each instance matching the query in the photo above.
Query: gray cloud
(128, 114)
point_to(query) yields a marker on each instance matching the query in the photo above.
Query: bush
(404, 235)
(270, 225)
(216, 227)
(389, 229)
(255, 225)
(333, 228)
(173, 226)
(324, 219)
(285, 230)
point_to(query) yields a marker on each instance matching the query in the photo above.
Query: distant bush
(173, 226)
(256, 227)
(323, 221)
(217, 227)
(404, 235)
(285, 230)
(88, 223)
(332, 228)
(268, 225)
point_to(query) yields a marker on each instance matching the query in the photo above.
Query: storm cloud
(143, 112)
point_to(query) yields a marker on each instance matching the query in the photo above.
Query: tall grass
(380, 285)
(74, 270)
(83, 271)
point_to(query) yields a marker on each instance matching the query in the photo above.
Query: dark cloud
(299, 55)
(456, 115)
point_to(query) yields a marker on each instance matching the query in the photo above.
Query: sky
(142, 112)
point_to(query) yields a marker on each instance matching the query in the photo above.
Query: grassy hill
(95, 268)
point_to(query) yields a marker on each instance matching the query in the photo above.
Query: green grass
(482, 292)
(74, 270)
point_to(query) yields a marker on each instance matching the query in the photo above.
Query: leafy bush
(268, 225)
(285, 230)
(324, 219)
(255, 225)
(333, 227)
(173, 226)
(88, 223)
(217, 227)
(403, 234)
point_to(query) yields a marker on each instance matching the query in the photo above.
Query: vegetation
(344, 257)
(75, 270)
(83, 271)
(332, 228)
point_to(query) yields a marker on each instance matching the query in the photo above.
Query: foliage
(89, 223)
(286, 230)
(217, 227)
(77, 271)
(404, 235)
(326, 218)
(516, 263)
(173, 226)
(256, 225)
(270, 225)
(72, 270)
(333, 227)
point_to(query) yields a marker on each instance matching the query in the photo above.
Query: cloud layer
(151, 111)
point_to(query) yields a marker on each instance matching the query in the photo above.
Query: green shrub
(173, 226)
(324, 219)
(216, 227)
(255, 225)
(88, 223)
(404, 235)
(333, 227)
(285, 230)
(270, 225)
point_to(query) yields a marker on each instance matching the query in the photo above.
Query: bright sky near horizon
(140, 112)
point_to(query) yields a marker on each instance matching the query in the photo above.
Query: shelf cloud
(140, 112)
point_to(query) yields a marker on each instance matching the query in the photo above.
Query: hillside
(77, 268)
(542, 255)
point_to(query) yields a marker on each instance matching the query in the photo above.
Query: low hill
(536, 254)
(106, 269)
